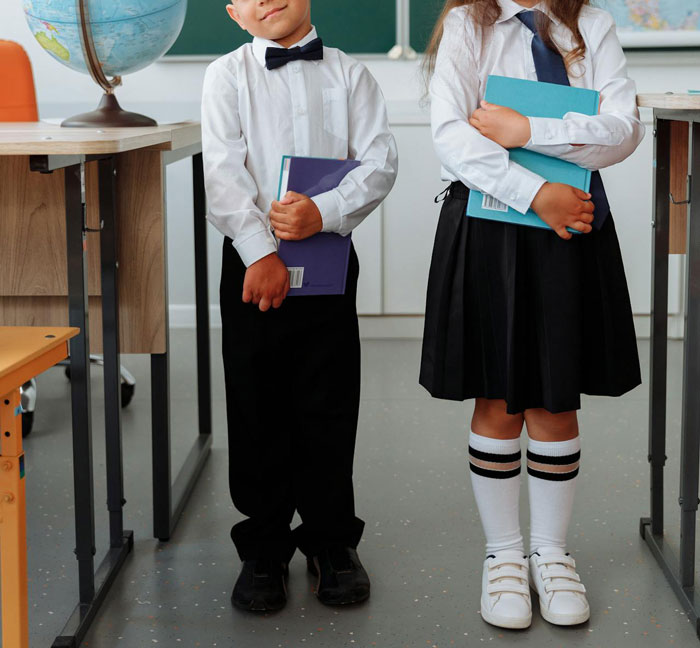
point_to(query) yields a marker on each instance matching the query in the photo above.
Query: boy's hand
(295, 217)
(266, 282)
(503, 125)
(562, 206)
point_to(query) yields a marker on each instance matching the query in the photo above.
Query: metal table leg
(659, 327)
(169, 498)
(93, 586)
(679, 571)
(690, 434)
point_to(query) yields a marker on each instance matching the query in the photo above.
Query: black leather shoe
(341, 577)
(261, 586)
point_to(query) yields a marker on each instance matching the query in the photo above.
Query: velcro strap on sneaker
(563, 586)
(560, 573)
(506, 572)
(507, 588)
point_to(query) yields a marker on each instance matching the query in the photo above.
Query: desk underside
(33, 275)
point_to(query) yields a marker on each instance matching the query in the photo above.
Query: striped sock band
(553, 468)
(495, 477)
(494, 465)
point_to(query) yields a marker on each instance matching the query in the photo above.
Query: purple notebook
(317, 265)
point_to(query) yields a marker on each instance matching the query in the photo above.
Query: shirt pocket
(335, 112)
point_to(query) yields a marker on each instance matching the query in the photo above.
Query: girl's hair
(486, 12)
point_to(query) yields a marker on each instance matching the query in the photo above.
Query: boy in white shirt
(292, 366)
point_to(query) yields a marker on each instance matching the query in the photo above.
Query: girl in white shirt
(525, 319)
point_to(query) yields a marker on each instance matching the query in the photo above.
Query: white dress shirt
(466, 57)
(252, 116)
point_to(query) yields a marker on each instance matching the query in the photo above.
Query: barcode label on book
(491, 203)
(296, 277)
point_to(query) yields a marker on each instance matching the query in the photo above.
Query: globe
(116, 37)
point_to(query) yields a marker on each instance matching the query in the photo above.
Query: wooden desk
(25, 352)
(93, 200)
(676, 230)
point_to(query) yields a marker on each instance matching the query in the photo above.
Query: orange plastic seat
(17, 93)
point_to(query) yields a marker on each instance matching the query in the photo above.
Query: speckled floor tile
(423, 544)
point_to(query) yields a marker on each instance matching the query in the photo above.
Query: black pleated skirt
(519, 314)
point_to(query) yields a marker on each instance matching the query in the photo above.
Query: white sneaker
(562, 595)
(505, 594)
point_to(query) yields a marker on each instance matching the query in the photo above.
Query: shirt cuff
(521, 188)
(545, 131)
(256, 247)
(330, 212)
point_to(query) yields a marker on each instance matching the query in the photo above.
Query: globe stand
(109, 114)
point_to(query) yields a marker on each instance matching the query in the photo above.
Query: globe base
(109, 114)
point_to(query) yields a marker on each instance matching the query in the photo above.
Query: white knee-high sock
(552, 470)
(495, 471)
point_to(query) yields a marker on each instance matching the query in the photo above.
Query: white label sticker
(296, 277)
(492, 204)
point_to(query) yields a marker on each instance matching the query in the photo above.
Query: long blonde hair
(486, 12)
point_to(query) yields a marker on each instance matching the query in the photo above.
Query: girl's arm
(604, 139)
(477, 161)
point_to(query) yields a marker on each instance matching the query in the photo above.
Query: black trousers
(292, 395)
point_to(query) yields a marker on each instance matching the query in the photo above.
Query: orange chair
(17, 93)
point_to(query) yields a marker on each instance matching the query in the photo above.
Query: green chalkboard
(424, 13)
(356, 26)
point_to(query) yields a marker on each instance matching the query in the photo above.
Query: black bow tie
(276, 57)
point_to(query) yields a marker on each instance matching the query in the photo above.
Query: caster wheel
(27, 423)
(127, 393)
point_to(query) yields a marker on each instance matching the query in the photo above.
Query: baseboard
(398, 326)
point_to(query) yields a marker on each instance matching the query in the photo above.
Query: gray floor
(423, 544)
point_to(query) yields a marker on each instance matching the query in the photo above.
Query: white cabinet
(367, 239)
(410, 220)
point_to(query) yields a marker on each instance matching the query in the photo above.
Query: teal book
(535, 99)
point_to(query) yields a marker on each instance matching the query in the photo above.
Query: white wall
(169, 91)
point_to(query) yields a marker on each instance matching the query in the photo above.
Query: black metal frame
(169, 498)
(93, 586)
(679, 570)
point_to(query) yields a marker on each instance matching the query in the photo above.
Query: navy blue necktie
(550, 68)
(276, 57)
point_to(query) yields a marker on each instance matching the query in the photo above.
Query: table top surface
(20, 345)
(670, 101)
(43, 138)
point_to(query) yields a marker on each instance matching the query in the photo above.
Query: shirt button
(300, 112)
(514, 196)
(548, 135)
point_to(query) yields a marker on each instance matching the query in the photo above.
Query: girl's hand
(503, 125)
(562, 206)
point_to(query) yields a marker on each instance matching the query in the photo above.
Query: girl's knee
(491, 419)
(545, 426)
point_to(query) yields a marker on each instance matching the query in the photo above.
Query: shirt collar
(509, 9)
(260, 45)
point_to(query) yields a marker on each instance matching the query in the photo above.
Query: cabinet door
(410, 220)
(367, 239)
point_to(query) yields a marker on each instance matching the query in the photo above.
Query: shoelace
(559, 574)
(507, 576)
